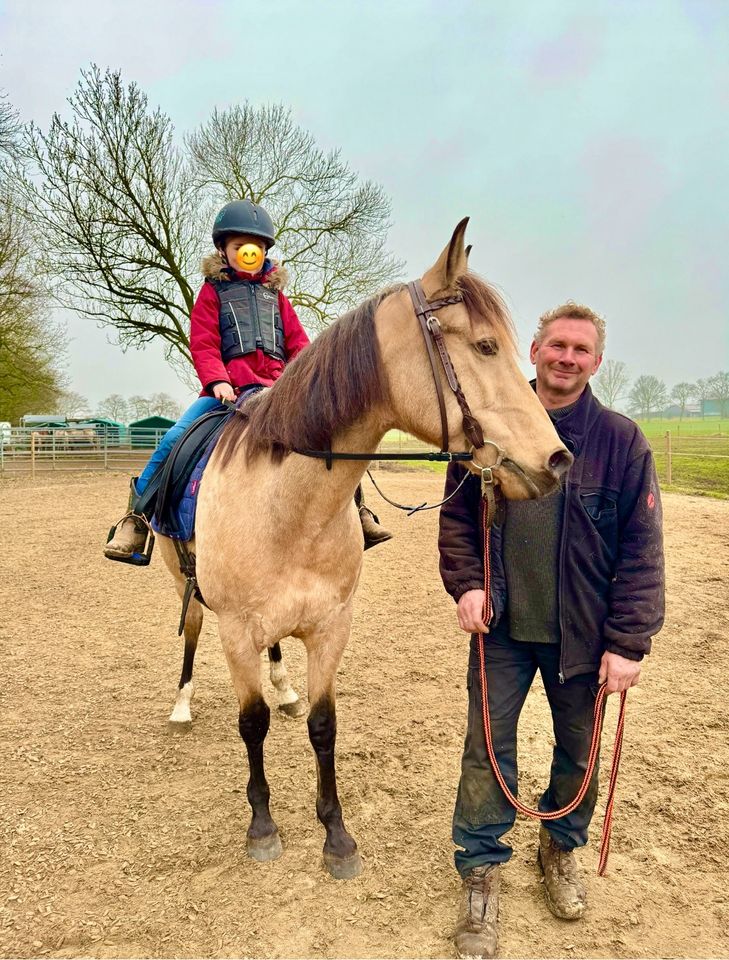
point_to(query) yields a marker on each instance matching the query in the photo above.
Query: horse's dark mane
(325, 389)
(338, 378)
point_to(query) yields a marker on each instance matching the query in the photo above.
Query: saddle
(179, 481)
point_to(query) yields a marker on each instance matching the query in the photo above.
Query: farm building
(148, 431)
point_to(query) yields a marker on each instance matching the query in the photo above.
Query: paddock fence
(695, 464)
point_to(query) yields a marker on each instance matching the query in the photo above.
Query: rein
(434, 341)
(597, 719)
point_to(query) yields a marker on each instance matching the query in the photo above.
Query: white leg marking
(280, 680)
(181, 713)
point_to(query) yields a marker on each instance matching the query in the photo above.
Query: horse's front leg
(324, 650)
(262, 840)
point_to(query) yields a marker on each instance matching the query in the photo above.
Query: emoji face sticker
(249, 258)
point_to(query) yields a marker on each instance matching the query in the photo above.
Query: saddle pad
(174, 515)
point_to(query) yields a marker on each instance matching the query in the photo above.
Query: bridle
(434, 342)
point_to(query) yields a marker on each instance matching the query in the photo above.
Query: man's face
(565, 360)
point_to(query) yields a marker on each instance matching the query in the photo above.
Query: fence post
(669, 458)
(53, 448)
(32, 456)
(106, 449)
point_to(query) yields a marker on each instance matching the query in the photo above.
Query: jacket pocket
(602, 509)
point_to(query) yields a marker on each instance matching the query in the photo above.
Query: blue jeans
(483, 814)
(199, 407)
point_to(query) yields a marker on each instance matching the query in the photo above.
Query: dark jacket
(611, 550)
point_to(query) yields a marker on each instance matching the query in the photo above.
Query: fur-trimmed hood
(274, 275)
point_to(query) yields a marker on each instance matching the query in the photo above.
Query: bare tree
(128, 213)
(163, 405)
(115, 407)
(682, 393)
(649, 395)
(703, 393)
(719, 385)
(139, 408)
(331, 228)
(73, 405)
(611, 382)
(112, 194)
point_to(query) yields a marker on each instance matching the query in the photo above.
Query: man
(577, 593)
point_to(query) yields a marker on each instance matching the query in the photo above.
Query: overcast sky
(586, 140)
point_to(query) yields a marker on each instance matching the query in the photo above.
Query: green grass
(700, 454)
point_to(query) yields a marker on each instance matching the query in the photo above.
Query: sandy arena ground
(121, 839)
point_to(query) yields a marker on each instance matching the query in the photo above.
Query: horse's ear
(450, 265)
(468, 250)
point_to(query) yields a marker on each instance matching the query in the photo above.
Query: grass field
(699, 454)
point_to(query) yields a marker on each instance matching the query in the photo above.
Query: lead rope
(596, 728)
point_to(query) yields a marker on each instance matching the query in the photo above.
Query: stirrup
(140, 558)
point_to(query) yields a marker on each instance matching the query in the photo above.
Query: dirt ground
(121, 839)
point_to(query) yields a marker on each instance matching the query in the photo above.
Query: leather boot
(563, 886)
(373, 532)
(476, 933)
(128, 539)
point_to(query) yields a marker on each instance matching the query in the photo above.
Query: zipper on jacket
(560, 572)
(252, 299)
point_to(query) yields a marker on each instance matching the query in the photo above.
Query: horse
(278, 543)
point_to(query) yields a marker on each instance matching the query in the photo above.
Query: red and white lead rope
(594, 745)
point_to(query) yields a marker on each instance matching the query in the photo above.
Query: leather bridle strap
(433, 334)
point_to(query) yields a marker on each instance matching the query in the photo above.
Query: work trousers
(483, 815)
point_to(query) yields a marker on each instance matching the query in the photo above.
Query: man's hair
(572, 311)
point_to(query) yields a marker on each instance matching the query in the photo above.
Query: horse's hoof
(264, 849)
(179, 726)
(293, 710)
(343, 868)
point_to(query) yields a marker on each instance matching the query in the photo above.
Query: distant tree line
(116, 407)
(648, 396)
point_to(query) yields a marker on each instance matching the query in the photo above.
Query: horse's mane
(325, 389)
(337, 379)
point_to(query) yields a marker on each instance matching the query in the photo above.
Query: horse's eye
(488, 348)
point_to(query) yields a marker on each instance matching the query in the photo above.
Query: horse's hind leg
(262, 840)
(288, 699)
(181, 718)
(341, 856)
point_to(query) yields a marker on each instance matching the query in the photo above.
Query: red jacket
(254, 367)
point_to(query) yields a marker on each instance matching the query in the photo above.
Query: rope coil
(594, 745)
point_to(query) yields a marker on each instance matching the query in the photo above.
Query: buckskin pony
(278, 542)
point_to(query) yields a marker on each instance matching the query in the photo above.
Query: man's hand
(223, 391)
(619, 672)
(470, 612)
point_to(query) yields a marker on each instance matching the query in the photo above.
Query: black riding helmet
(243, 216)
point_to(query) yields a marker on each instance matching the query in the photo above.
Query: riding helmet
(243, 216)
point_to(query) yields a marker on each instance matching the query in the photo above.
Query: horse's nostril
(560, 461)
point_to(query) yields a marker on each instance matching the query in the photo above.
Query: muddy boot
(476, 933)
(563, 887)
(130, 540)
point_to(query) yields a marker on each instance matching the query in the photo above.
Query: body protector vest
(249, 320)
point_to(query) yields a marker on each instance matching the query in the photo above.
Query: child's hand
(223, 391)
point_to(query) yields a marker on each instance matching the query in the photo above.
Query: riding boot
(131, 539)
(373, 532)
(476, 933)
